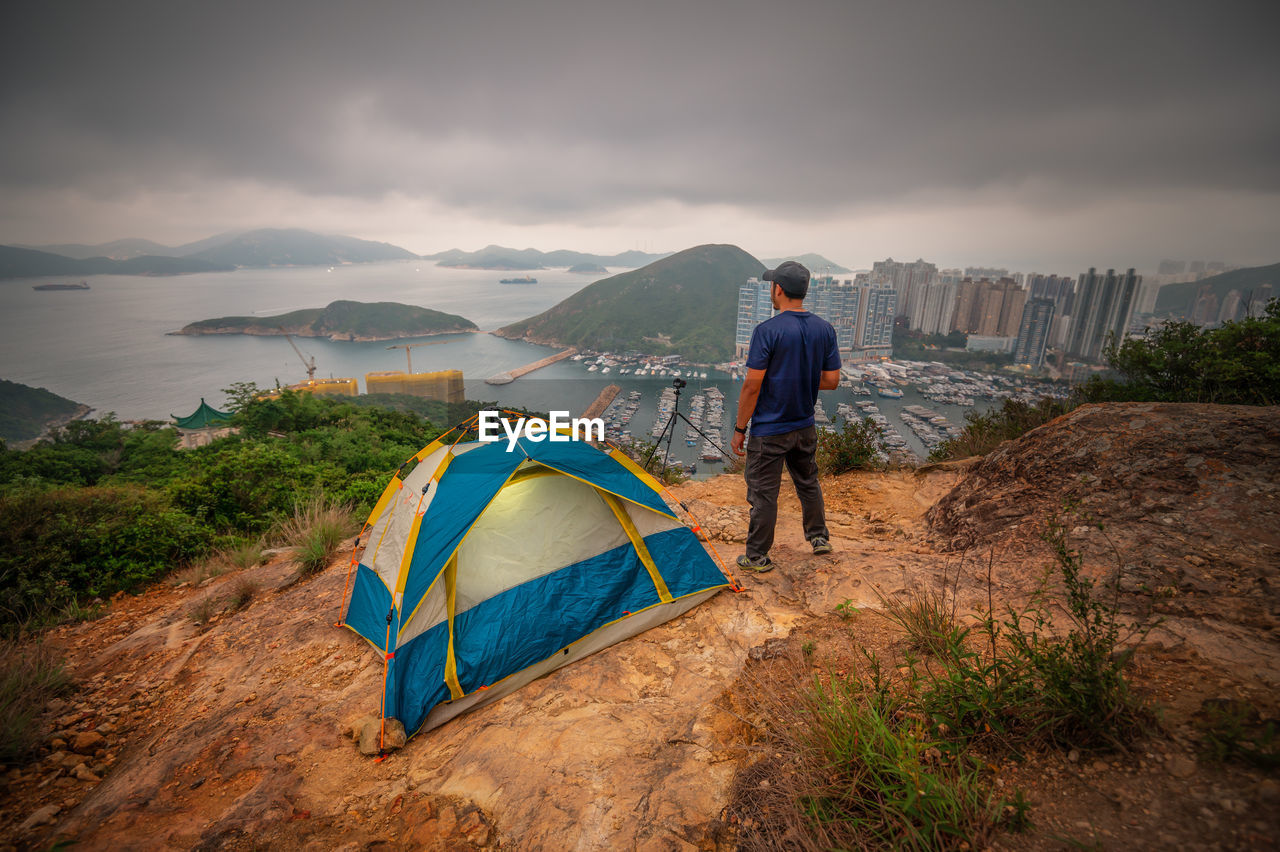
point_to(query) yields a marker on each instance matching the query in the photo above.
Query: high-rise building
(1103, 307)
(855, 308)
(988, 308)
(1033, 332)
(909, 279)
(754, 307)
(1172, 267)
(937, 308)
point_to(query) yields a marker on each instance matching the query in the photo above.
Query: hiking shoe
(821, 545)
(759, 564)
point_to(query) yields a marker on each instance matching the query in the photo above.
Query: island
(685, 304)
(26, 413)
(341, 320)
(588, 269)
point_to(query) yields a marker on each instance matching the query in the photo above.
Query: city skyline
(1030, 137)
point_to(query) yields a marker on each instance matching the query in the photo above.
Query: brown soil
(230, 735)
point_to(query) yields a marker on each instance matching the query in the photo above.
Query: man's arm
(829, 380)
(747, 406)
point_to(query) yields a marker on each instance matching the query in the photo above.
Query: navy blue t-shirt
(793, 348)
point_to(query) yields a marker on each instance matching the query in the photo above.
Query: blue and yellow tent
(484, 569)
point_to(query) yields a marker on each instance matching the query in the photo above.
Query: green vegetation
(316, 529)
(896, 756)
(100, 508)
(684, 304)
(1235, 364)
(367, 320)
(986, 430)
(878, 780)
(30, 675)
(25, 412)
(856, 446)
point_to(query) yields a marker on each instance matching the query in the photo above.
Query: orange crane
(408, 350)
(309, 364)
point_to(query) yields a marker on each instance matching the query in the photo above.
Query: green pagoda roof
(202, 418)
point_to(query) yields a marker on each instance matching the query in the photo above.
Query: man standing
(792, 356)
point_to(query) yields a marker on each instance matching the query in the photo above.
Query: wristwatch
(741, 430)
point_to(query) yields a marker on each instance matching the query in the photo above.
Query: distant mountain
(29, 263)
(501, 257)
(815, 263)
(342, 320)
(686, 303)
(126, 249)
(1179, 299)
(295, 247)
(26, 412)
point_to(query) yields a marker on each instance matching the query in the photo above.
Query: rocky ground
(233, 734)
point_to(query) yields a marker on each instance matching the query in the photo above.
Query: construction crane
(408, 350)
(309, 364)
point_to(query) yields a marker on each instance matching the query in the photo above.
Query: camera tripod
(669, 430)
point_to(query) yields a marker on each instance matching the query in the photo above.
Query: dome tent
(484, 569)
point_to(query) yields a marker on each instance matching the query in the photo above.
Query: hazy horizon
(1029, 137)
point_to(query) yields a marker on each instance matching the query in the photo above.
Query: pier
(597, 408)
(508, 378)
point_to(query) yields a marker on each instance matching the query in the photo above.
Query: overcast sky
(1034, 135)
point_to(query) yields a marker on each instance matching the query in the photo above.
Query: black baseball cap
(792, 277)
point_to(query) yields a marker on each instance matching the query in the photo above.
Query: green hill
(686, 303)
(25, 412)
(342, 320)
(1178, 299)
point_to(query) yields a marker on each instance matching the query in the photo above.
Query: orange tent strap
(346, 586)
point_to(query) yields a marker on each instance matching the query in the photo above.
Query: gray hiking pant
(765, 457)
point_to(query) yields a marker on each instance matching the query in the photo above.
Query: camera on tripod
(678, 383)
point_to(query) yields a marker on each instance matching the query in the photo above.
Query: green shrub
(1030, 683)
(30, 675)
(856, 446)
(65, 545)
(986, 430)
(882, 782)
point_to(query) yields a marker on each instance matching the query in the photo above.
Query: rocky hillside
(232, 734)
(1187, 497)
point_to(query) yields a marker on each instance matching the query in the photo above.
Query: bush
(64, 545)
(856, 446)
(30, 675)
(984, 431)
(1030, 684)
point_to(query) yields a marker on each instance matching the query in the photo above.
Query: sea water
(110, 347)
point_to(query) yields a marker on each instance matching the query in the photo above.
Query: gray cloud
(558, 112)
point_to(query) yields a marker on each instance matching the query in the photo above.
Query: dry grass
(242, 593)
(30, 675)
(315, 532)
